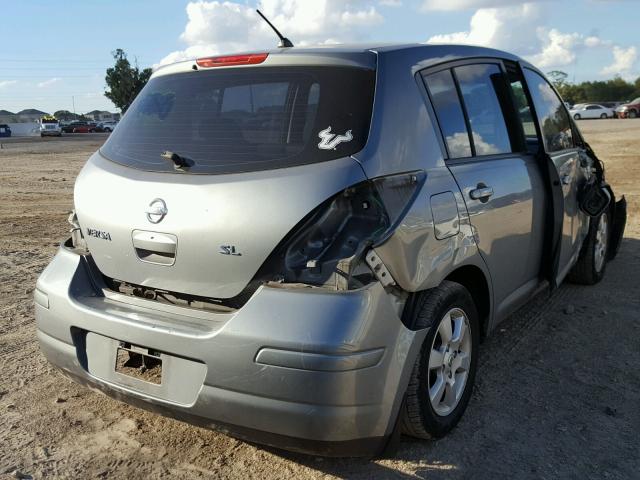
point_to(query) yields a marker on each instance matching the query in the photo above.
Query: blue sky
(56, 53)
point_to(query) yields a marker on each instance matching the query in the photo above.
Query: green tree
(558, 77)
(124, 81)
(65, 115)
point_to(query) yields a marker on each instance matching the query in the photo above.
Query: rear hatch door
(263, 147)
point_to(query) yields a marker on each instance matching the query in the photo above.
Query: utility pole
(73, 101)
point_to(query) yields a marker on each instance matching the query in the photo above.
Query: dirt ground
(557, 394)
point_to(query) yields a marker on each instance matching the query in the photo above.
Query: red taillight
(231, 60)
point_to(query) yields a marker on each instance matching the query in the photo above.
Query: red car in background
(76, 127)
(629, 110)
(81, 127)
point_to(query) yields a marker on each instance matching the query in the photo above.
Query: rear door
(500, 180)
(571, 163)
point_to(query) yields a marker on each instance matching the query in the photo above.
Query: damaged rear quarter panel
(403, 137)
(416, 259)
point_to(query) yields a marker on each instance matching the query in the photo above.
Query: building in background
(102, 116)
(30, 115)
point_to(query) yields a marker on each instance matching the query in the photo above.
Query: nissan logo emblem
(156, 211)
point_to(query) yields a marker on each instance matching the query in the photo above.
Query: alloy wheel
(449, 361)
(602, 240)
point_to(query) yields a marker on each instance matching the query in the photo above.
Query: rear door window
(446, 103)
(479, 85)
(552, 115)
(246, 119)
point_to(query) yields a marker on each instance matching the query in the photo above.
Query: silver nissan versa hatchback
(304, 247)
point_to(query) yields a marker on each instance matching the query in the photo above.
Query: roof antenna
(284, 41)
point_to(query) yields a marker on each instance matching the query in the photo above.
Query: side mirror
(593, 199)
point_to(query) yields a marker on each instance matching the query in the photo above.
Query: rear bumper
(306, 370)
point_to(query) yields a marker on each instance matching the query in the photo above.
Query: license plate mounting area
(139, 362)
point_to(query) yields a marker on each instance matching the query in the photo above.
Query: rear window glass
(245, 119)
(446, 103)
(478, 84)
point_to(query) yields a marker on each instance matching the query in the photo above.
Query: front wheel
(632, 114)
(576, 116)
(604, 115)
(592, 262)
(443, 375)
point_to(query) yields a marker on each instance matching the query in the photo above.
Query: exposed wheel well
(473, 279)
(470, 277)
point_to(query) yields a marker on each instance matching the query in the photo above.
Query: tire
(576, 116)
(604, 115)
(632, 114)
(420, 416)
(592, 262)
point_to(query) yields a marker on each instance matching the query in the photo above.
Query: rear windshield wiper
(179, 162)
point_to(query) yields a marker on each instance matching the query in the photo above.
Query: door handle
(482, 192)
(155, 242)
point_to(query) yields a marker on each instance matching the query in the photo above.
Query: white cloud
(48, 83)
(450, 5)
(558, 49)
(390, 3)
(218, 27)
(7, 83)
(624, 60)
(509, 28)
(521, 29)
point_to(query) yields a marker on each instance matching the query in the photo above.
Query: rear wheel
(604, 115)
(577, 116)
(632, 114)
(592, 261)
(443, 375)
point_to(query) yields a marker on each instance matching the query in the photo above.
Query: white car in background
(590, 110)
(108, 126)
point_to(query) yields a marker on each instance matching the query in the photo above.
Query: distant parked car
(77, 127)
(591, 111)
(5, 131)
(629, 110)
(108, 126)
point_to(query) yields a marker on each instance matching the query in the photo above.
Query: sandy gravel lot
(557, 394)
